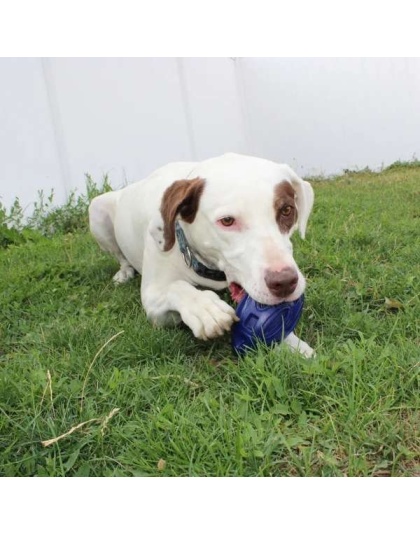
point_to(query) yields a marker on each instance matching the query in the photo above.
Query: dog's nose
(282, 283)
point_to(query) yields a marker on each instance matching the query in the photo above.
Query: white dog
(226, 221)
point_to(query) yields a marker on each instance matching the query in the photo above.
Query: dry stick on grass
(104, 420)
(107, 418)
(49, 442)
(49, 387)
(91, 365)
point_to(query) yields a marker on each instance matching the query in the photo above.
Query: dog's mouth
(237, 292)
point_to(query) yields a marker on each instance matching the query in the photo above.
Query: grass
(75, 349)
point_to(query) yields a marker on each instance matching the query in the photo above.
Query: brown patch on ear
(183, 198)
(285, 206)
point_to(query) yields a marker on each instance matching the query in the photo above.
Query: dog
(191, 229)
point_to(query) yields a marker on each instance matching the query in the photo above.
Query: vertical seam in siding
(186, 106)
(57, 125)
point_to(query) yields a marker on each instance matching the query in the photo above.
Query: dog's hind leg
(101, 223)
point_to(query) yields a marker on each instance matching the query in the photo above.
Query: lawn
(77, 353)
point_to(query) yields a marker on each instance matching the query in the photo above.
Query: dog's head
(238, 216)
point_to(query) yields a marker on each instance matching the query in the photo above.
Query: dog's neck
(192, 261)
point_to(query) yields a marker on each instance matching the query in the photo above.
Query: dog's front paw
(298, 345)
(306, 350)
(208, 316)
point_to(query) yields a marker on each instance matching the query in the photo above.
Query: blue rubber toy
(261, 322)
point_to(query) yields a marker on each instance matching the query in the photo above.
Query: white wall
(124, 117)
(61, 118)
(324, 115)
(28, 153)
(216, 116)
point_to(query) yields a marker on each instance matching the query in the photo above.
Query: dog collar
(192, 262)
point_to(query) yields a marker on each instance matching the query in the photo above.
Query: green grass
(187, 408)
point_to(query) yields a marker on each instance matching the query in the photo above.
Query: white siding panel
(120, 116)
(212, 95)
(326, 114)
(28, 153)
(63, 117)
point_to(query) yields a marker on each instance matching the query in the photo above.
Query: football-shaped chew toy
(261, 322)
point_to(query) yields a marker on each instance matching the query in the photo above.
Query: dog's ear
(304, 199)
(181, 198)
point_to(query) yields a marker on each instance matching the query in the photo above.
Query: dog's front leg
(204, 312)
(298, 345)
(169, 298)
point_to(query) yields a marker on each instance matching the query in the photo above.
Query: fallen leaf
(393, 304)
(161, 465)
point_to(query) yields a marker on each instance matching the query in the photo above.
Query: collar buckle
(187, 256)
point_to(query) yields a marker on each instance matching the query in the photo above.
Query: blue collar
(192, 262)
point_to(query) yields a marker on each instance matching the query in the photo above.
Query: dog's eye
(286, 211)
(227, 221)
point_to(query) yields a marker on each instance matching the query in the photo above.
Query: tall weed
(46, 218)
